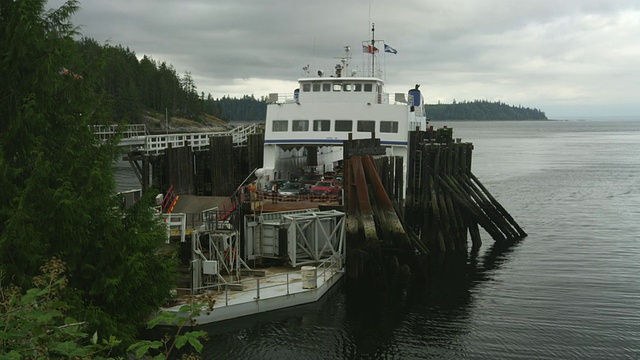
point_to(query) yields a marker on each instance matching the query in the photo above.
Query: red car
(326, 187)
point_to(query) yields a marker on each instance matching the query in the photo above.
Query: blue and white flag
(389, 49)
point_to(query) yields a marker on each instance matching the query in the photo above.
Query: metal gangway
(136, 137)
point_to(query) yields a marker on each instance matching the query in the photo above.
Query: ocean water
(570, 290)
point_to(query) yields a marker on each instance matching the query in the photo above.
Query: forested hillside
(482, 110)
(133, 86)
(246, 108)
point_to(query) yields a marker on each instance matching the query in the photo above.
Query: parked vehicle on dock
(275, 184)
(310, 179)
(329, 175)
(293, 189)
(326, 187)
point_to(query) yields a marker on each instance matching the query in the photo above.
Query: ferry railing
(324, 270)
(382, 98)
(281, 98)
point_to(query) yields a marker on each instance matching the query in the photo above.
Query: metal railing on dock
(258, 286)
(279, 198)
(138, 136)
(104, 132)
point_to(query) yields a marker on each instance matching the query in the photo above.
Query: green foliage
(57, 183)
(165, 346)
(246, 108)
(34, 324)
(482, 110)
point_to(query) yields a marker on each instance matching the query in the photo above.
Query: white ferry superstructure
(306, 129)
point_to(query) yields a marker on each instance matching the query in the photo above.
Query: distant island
(482, 110)
(249, 108)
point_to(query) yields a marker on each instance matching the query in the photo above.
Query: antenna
(345, 61)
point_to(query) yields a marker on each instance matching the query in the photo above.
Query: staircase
(169, 201)
(235, 200)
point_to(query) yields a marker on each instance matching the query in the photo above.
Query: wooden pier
(392, 225)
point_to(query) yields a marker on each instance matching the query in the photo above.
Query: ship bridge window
(316, 87)
(357, 87)
(388, 126)
(280, 125)
(366, 126)
(326, 87)
(321, 125)
(368, 87)
(337, 87)
(300, 125)
(347, 87)
(343, 125)
(306, 87)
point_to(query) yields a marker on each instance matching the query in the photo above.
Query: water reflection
(352, 322)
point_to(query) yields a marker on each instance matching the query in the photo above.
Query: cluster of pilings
(380, 250)
(444, 205)
(445, 201)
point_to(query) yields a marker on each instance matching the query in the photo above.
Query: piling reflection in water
(360, 322)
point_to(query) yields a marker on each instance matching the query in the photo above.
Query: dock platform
(278, 289)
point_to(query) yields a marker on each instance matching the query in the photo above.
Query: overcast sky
(569, 58)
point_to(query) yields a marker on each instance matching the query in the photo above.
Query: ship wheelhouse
(324, 111)
(306, 129)
(349, 89)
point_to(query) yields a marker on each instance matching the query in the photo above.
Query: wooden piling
(365, 214)
(503, 212)
(389, 222)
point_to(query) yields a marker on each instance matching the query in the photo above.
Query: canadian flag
(369, 49)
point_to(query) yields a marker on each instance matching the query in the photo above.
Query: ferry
(304, 134)
(305, 130)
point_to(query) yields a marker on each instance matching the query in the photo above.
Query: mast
(373, 50)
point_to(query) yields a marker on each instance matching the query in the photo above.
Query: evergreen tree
(57, 182)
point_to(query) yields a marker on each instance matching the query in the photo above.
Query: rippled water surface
(570, 290)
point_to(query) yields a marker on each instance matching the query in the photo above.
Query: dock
(277, 289)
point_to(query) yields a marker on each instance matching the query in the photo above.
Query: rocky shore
(157, 124)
